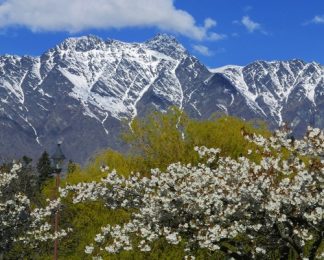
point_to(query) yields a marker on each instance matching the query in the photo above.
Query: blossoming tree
(239, 208)
(18, 220)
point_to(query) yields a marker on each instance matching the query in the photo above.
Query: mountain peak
(167, 44)
(87, 86)
(83, 43)
(164, 37)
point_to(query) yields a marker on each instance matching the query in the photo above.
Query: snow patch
(103, 124)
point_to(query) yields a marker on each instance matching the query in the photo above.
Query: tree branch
(315, 246)
(298, 250)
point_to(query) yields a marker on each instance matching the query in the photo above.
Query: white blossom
(212, 204)
(19, 221)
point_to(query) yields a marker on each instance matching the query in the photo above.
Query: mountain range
(83, 91)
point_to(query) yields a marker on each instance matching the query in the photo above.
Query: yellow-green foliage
(92, 171)
(86, 219)
(159, 139)
(162, 139)
(156, 141)
(224, 133)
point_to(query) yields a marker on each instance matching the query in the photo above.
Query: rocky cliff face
(83, 89)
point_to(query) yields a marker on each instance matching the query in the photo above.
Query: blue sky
(218, 32)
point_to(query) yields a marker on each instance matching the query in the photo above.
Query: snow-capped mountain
(281, 91)
(84, 88)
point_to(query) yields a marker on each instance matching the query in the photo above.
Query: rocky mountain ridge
(82, 90)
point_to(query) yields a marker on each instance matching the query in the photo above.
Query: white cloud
(215, 36)
(77, 15)
(209, 23)
(212, 36)
(250, 25)
(318, 19)
(203, 50)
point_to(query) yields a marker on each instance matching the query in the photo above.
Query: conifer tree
(26, 160)
(27, 182)
(44, 168)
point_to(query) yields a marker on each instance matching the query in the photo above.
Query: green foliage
(162, 139)
(155, 141)
(224, 133)
(122, 163)
(72, 167)
(86, 220)
(159, 139)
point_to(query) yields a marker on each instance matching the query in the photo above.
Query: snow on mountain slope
(97, 83)
(112, 76)
(85, 89)
(11, 77)
(269, 85)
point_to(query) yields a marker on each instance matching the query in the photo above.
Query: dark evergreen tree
(27, 180)
(26, 160)
(44, 168)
